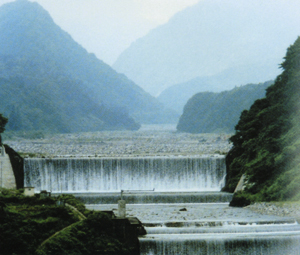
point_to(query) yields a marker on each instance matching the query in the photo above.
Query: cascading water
(225, 244)
(115, 174)
(191, 228)
(217, 229)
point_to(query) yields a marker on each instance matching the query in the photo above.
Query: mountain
(209, 112)
(47, 76)
(211, 38)
(51, 106)
(266, 142)
(176, 96)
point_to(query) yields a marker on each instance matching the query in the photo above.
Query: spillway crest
(115, 174)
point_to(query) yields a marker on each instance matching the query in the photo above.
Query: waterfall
(115, 174)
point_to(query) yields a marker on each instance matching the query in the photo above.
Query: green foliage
(70, 199)
(267, 139)
(3, 122)
(241, 199)
(208, 112)
(25, 222)
(95, 235)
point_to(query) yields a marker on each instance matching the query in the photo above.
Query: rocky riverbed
(283, 209)
(192, 212)
(151, 140)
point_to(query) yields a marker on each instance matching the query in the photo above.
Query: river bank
(283, 209)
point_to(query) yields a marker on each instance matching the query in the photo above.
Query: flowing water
(210, 228)
(176, 198)
(135, 173)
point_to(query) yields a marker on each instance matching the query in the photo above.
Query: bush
(240, 199)
(71, 200)
(95, 235)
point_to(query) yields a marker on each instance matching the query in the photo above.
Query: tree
(267, 139)
(3, 122)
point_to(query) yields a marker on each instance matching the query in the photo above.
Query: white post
(122, 209)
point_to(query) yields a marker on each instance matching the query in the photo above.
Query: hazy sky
(107, 27)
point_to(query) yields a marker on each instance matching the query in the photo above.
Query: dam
(177, 199)
(72, 175)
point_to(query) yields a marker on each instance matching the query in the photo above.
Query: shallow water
(211, 228)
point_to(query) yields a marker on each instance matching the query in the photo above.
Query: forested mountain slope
(51, 81)
(209, 112)
(266, 143)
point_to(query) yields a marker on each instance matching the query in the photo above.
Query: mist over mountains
(214, 37)
(50, 82)
(175, 97)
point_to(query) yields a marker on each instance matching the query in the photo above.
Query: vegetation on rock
(3, 122)
(26, 222)
(266, 143)
(95, 235)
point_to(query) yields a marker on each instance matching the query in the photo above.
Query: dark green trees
(267, 139)
(209, 112)
(3, 122)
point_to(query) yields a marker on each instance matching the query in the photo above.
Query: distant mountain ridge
(43, 61)
(208, 112)
(176, 96)
(211, 38)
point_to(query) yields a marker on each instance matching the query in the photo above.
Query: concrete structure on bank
(241, 184)
(7, 177)
(29, 191)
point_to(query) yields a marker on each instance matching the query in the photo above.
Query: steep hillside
(53, 82)
(209, 112)
(51, 106)
(267, 140)
(213, 37)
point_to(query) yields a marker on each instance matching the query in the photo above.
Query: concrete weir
(7, 177)
(94, 175)
(154, 197)
(210, 228)
(176, 199)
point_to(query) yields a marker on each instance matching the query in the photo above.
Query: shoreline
(283, 209)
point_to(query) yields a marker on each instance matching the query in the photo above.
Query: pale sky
(107, 27)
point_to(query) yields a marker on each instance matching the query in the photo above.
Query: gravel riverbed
(151, 140)
(192, 212)
(283, 209)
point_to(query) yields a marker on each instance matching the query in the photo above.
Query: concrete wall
(7, 177)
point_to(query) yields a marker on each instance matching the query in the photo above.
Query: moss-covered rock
(36, 225)
(240, 199)
(95, 235)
